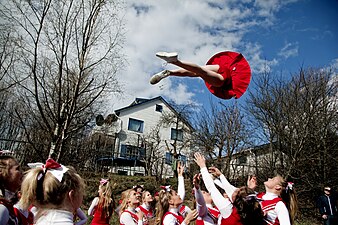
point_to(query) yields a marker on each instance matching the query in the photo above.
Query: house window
(158, 108)
(169, 158)
(176, 134)
(241, 160)
(132, 152)
(135, 125)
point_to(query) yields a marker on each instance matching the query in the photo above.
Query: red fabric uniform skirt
(236, 72)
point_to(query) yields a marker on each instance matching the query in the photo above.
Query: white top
(92, 207)
(127, 219)
(280, 212)
(54, 217)
(170, 219)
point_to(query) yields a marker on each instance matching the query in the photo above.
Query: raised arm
(224, 205)
(200, 202)
(222, 182)
(180, 178)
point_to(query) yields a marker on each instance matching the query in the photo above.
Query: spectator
(327, 205)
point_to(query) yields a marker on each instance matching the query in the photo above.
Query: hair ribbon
(103, 181)
(166, 188)
(289, 186)
(51, 166)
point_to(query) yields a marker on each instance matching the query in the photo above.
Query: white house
(139, 142)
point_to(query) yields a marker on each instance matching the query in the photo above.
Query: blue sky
(283, 35)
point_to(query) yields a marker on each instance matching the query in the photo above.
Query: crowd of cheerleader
(51, 193)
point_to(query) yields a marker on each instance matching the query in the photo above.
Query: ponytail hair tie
(166, 188)
(251, 197)
(56, 169)
(289, 187)
(103, 181)
(138, 186)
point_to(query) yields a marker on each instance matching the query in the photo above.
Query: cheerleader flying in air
(226, 74)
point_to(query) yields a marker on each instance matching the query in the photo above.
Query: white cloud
(196, 29)
(289, 50)
(257, 60)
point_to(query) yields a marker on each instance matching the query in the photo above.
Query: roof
(141, 101)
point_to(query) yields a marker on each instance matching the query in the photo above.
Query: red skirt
(236, 72)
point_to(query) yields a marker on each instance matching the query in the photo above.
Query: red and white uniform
(228, 213)
(129, 217)
(183, 210)
(25, 217)
(147, 211)
(207, 214)
(275, 209)
(173, 218)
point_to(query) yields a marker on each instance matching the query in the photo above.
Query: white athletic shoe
(169, 57)
(159, 76)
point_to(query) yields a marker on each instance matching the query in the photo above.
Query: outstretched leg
(208, 73)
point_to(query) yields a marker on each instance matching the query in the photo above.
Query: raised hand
(252, 182)
(191, 216)
(196, 181)
(214, 171)
(199, 159)
(180, 168)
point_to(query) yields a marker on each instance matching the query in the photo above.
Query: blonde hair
(47, 191)
(162, 205)
(126, 194)
(106, 202)
(289, 197)
(6, 163)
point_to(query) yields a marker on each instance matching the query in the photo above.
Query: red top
(99, 218)
(22, 219)
(233, 219)
(236, 72)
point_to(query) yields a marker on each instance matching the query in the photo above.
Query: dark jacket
(324, 206)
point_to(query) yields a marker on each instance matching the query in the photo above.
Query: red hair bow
(51, 164)
(53, 167)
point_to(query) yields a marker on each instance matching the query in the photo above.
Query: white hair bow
(166, 188)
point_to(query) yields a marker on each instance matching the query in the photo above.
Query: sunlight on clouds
(196, 29)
